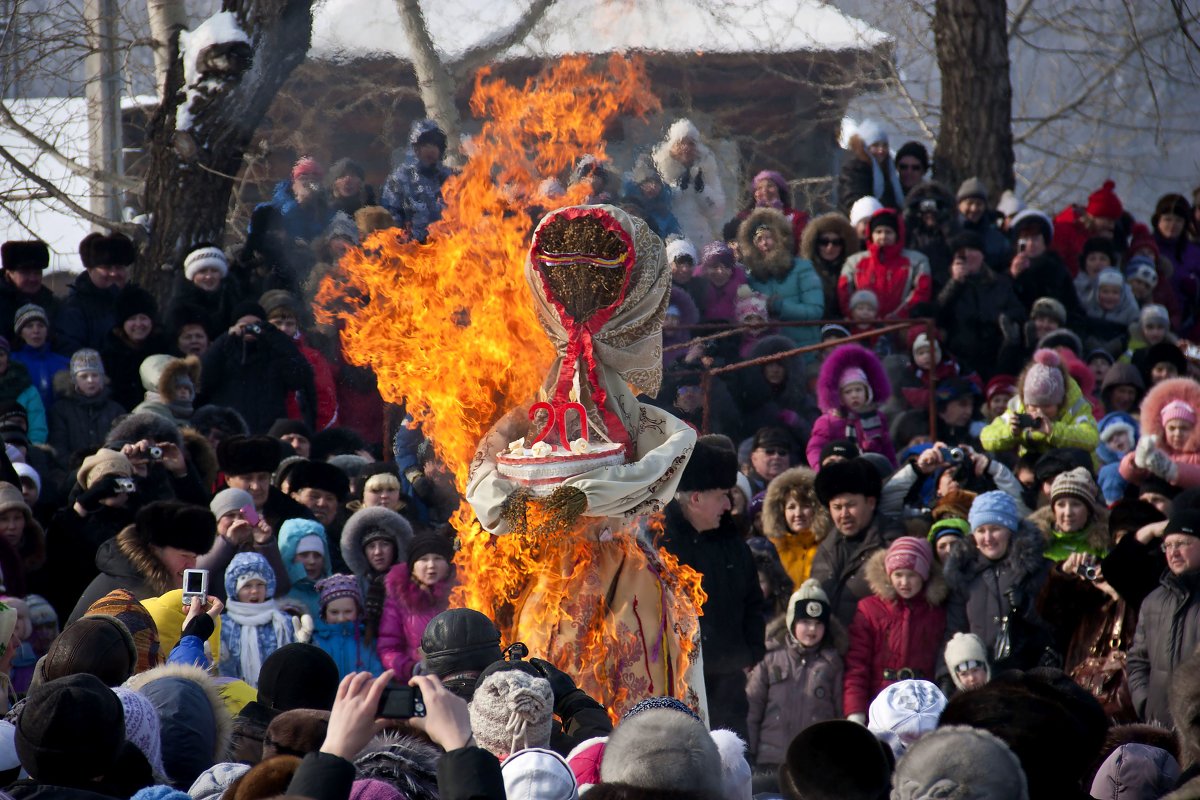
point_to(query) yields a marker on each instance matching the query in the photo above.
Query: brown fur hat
(269, 778)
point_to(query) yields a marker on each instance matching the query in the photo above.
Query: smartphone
(250, 514)
(195, 584)
(401, 702)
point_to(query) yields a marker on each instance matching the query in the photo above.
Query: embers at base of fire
(580, 285)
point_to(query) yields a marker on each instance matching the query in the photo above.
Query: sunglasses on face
(829, 242)
(774, 452)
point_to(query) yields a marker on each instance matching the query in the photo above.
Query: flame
(449, 329)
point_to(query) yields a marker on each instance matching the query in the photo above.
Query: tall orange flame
(449, 328)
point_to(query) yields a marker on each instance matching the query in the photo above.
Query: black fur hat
(143, 425)
(710, 467)
(168, 523)
(134, 300)
(853, 476)
(223, 418)
(115, 249)
(241, 455)
(319, 475)
(25, 255)
(837, 759)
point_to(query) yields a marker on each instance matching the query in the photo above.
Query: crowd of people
(1000, 599)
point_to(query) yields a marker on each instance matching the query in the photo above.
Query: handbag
(1103, 672)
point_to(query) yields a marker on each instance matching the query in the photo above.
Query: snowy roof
(341, 30)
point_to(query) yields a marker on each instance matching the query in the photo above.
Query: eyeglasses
(1168, 547)
(829, 242)
(775, 452)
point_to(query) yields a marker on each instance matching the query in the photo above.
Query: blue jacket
(795, 297)
(658, 210)
(304, 588)
(1109, 479)
(42, 363)
(344, 643)
(301, 222)
(413, 192)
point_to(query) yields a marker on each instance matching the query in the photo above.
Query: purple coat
(717, 305)
(1185, 259)
(406, 611)
(836, 422)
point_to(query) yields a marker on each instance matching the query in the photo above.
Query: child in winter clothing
(794, 520)
(864, 310)
(305, 551)
(850, 388)
(899, 278)
(1118, 436)
(85, 411)
(16, 385)
(1061, 415)
(724, 275)
(1170, 443)
(32, 328)
(967, 661)
(897, 633)
(417, 591)
(252, 627)
(799, 681)
(1151, 327)
(339, 631)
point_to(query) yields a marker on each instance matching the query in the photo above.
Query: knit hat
(86, 360)
(965, 240)
(921, 340)
(319, 475)
(133, 300)
(99, 645)
(28, 313)
(1075, 483)
(510, 711)
(749, 304)
(950, 526)
(854, 375)
(884, 218)
(966, 651)
(70, 731)
(205, 257)
(538, 774)
(1110, 276)
(864, 297)
(717, 253)
(310, 543)
(963, 762)
(662, 750)
(335, 587)
(429, 543)
(1044, 383)
(1183, 520)
(279, 300)
(909, 709)
(102, 463)
(680, 247)
(863, 209)
(242, 455)
(1049, 307)
(834, 331)
(1154, 313)
(374, 789)
(909, 552)
(298, 676)
(853, 476)
(229, 500)
(808, 602)
(1009, 204)
(1142, 269)
(1104, 202)
(1142, 242)
(25, 255)
(709, 467)
(173, 524)
(1032, 218)
(871, 132)
(915, 150)
(143, 729)
(246, 567)
(307, 167)
(1177, 409)
(995, 508)
(121, 605)
(972, 187)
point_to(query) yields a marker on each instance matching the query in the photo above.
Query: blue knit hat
(996, 508)
(244, 567)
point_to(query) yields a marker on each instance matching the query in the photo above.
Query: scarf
(877, 186)
(254, 630)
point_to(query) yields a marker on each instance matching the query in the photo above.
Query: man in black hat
(1168, 628)
(850, 491)
(248, 462)
(700, 532)
(322, 488)
(23, 264)
(770, 454)
(89, 312)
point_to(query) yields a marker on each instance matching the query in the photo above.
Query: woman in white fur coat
(689, 167)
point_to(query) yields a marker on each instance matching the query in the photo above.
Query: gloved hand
(303, 628)
(1145, 446)
(106, 487)
(560, 682)
(1009, 330)
(860, 718)
(201, 627)
(1161, 465)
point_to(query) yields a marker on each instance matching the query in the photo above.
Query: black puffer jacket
(933, 242)
(81, 423)
(256, 377)
(1047, 276)
(122, 360)
(217, 306)
(86, 316)
(969, 312)
(1168, 631)
(840, 565)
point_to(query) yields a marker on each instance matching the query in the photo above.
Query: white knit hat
(680, 247)
(863, 208)
(538, 774)
(202, 258)
(908, 709)
(964, 648)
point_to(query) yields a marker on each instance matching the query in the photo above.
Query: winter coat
(1168, 631)
(796, 550)
(732, 627)
(406, 611)
(933, 243)
(42, 364)
(997, 251)
(256, 378)
(698, 198)
(1119, 319)
(829, 271)
(1185, 258)
(890, 634)
(856, 180)
(216, 307)
(123, 360)
(790, 284)
(72, 543)
(16, 386)
(870, 430)
(217, 559)
(969, 313)
(762, 404)
(1186, 460)
(360, 406)
(657, 210)
(979, 597)
(791, 688)
(11, 299)
(413, 192)
(1074, 427)
(899, 278)
(304, 222)
(324, 398)
(345, 644)
(1112, 484)
(1094, 539)
(304, 589)
(81, 423)
(125, 562)
(841, 564)
(717, 305)
(86, 316)
(1047, 276)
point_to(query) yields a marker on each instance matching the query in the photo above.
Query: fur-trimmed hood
(778, 635)
(832, 222)
(1024, 557)
(1097, 527)
(849, 356)
(776, 264)
(936, 590)
(799, 480)
(176, 368)
(399, 584)
(136, 550)
(947, 207)
(1184, 389)
(362, 522)
(405, 762)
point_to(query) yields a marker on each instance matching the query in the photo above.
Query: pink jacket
(406, 611)
(844, 424)
(1187, 459)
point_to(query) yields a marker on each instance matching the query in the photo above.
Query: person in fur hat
(897, 632)
(994, 580)
(374, 540)
(252, 627)
(248, 463)
(827, 242)
(799, 681)
(23, 264)
(794, 521)
(836, 760)
(1170, 444)
(171, 386)
(869, 171)
(1049, 412)
(148, 557)
(135, 335)
(972, 764)
(850, 388)
(689, 167)
(87, 314)
(899, 278)
(417, 591)
(657, 753)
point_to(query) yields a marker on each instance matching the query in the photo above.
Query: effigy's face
(584, 264)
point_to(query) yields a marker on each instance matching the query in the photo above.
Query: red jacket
(327, 401)
(1069, 237)
(892, 634)
(899, 278)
